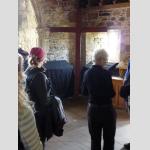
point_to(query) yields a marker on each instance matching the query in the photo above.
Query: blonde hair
(21, 90)
(100, 54)
(33, 61)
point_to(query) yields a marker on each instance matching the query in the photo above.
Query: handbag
(57, 113)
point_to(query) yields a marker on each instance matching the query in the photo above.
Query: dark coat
(37, 87)
(97, 83)
(20, 144)
(125, 89)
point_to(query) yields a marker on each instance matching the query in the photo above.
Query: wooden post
(78, 52)
(78, 30)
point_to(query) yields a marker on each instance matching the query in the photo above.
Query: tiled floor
(76, 135)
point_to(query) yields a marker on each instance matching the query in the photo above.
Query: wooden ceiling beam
(62, 29)
(75, 29)
(94, 29)
(116, 5)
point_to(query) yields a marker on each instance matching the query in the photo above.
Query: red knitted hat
(38, 52)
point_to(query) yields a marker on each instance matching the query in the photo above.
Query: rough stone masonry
(36, 15)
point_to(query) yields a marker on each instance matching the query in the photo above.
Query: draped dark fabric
(61, 74)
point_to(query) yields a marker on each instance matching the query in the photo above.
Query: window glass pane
(110, 41)
(113, 46)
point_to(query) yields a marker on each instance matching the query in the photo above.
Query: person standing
(28, 136)
(37, 87)
(97, 83)
(125, 93)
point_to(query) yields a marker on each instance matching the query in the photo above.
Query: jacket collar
(97, 66)
(35, 69)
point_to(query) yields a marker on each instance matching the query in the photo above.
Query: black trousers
(102, 119)
(40, 122)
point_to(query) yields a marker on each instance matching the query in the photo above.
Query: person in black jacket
(97, 83)
(125, 93)
(37, 87)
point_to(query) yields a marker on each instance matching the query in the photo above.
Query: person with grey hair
(97, 84)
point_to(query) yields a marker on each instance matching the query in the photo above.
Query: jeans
(102, 119)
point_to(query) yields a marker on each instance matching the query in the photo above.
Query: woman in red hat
(37, 87)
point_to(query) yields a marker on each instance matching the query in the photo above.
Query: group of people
(33, 87)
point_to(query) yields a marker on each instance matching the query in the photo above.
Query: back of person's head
(100, 57)
(37, 56)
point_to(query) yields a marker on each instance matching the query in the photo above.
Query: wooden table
(118, 101)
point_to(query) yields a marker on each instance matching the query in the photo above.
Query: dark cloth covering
(62, 77)
(111, 67)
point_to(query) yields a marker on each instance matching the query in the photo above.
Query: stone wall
(57, 13)
(61, 13)
(60, 46)
(112, 18)
(27, 24)
(93, 40)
